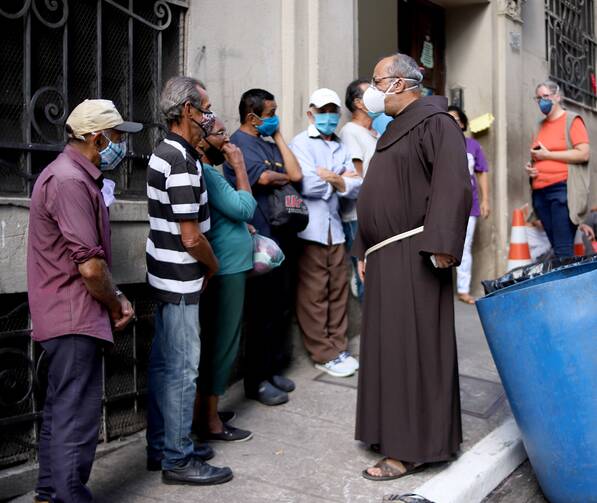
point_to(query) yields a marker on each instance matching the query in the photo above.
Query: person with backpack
(273, 173)
(559, 170)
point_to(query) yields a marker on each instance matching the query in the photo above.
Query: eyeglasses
(374, 82)
(544, 97)
(218, 133)
(123, 137)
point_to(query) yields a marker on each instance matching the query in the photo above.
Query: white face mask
(375, 100)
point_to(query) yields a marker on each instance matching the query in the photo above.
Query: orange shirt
(553, 135)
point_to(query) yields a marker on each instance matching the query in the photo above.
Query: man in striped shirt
(179, 263)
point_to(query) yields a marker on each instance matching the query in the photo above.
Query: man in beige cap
(73, 300)
(322, 291)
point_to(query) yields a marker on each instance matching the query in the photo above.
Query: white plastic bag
(267, 255)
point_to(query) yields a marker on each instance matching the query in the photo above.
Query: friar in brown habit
(408, 398)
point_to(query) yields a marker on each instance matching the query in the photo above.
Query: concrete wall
(14, 219)
(288, 47)
(469, 65)
(129, 232)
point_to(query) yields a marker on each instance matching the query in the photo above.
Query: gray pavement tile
(474, 357)
(520, 487)
(304, 451)
(480, 397)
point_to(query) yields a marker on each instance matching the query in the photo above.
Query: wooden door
(421, 35)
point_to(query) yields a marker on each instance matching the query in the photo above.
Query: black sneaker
(197, 472)
(201, 452)
(229, 434)
(283, 383)
(268, 394)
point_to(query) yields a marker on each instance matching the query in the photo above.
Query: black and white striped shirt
(175, 191)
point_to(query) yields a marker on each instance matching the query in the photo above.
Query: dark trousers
(268, 311)
(71, 418)
(551, 207)
(221, 316)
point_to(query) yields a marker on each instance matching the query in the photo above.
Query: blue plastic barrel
(543, 337)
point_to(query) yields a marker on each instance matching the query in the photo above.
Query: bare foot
(389, 464)
(466, 298)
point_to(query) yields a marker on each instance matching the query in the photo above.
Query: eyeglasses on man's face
(376, 81)
(548, 96)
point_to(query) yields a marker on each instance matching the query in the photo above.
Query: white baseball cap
(93, 116)
(323, 96)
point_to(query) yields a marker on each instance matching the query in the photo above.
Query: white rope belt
(393, 239)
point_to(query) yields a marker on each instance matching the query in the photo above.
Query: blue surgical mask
(545, 105)
(374, 115)
(112, 155)
(269, 125)
(326, 124)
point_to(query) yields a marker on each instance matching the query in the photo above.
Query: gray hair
(178, 91)
(553, 87)
(406, 67)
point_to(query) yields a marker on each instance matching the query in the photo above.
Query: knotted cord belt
(393, 239)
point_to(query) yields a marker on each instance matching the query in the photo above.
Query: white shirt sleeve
(351, 142)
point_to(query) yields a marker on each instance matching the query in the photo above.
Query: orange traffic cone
(579, 245)
(519, 246)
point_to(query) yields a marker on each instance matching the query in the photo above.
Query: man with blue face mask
(270, 165)
(322, 291)
(74, 302)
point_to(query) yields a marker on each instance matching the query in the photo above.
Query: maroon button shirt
(68, 225)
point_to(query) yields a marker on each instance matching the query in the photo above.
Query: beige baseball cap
(93, 116)
(324, 96)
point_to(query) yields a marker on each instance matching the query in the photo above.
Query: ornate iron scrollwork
(49, 5)
(129, 39)
(54, 111)
(16, 383)
(19, 13)
(571, 48)
(52, 6)
(161, 9)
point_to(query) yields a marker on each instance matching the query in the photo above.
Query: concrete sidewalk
(303, 451)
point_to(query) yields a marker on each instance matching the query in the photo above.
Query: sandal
(406, 498)
(466, 298)
(391, 472)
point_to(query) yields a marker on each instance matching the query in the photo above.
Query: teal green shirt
(229, 211)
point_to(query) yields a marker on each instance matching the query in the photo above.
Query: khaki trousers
(322, 298)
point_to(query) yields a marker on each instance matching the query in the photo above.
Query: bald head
(399, 66)
(399, 77)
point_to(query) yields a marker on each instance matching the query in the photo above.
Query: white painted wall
(469, 65)
(288, 47)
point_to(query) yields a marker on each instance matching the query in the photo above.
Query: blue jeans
(350, 234)
(551, 207)
(172, 379)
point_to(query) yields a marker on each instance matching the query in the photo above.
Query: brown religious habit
(408, 396)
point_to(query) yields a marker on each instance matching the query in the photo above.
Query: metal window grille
(570, 47)
(56, 53)
(23, 377)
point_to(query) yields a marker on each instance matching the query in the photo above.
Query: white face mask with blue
(112, 155)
